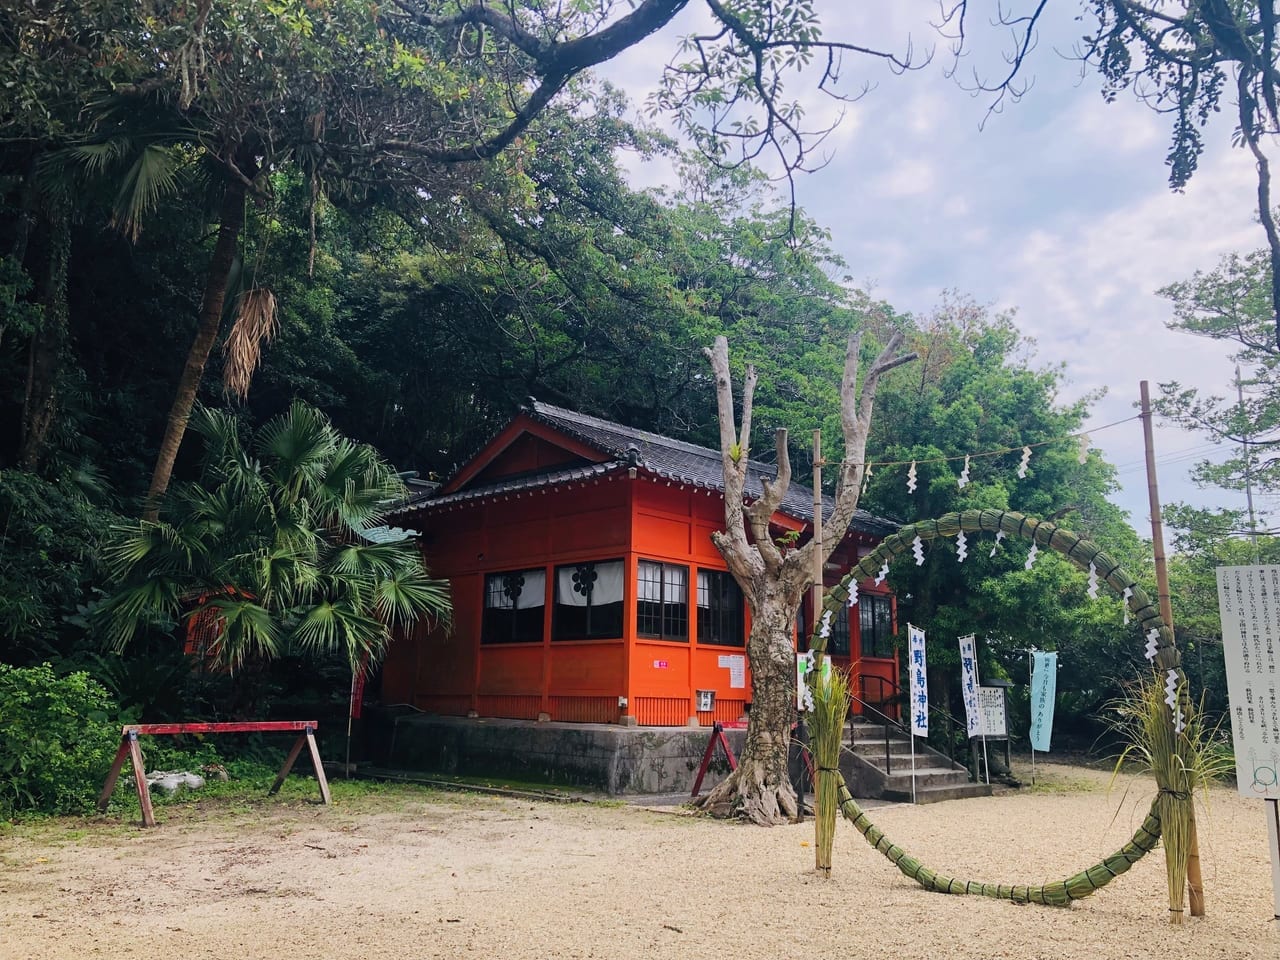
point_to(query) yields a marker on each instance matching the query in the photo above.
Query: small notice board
(991, 713)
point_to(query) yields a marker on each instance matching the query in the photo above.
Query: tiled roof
(507, 485)
(690, 464)
(675, 460)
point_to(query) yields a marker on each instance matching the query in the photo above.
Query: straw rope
(1172, 802)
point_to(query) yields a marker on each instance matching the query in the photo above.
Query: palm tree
(274, 546)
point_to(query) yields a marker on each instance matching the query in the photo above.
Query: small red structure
(586, 587)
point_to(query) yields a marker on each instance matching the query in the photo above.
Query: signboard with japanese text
(991, 702)
(1249, 604)
(1044, 690)
(919, 687)
(969, 684)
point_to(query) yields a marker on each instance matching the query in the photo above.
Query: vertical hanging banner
(969, 684)
(1249, 603)
(919, 682)
(1044, 689)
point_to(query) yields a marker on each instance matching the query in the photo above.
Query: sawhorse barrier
(131, 748)
(717, 737)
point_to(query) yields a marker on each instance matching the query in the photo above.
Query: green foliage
(273, 547)
(18, 316)
(1231, 304)
(56, 740)
(49, 537)
(973, 391)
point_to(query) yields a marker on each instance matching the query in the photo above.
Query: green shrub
(57, 740)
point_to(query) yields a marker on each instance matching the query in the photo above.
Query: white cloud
(908, 177)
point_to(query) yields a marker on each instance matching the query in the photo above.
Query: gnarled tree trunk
(773, 581)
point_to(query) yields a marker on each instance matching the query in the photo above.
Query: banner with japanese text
(1044, 690)
(919, 688)
(969, 684)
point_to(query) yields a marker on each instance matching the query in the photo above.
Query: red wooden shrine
(586, 588)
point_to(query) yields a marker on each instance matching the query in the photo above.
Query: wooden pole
(802, 732)
(1195, 882)
(817, 530)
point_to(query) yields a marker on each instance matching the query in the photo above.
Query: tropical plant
(277, 546)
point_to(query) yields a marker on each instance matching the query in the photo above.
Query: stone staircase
(869, 774)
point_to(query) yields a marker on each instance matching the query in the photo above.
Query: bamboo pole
(818, 558)
(1195, 880)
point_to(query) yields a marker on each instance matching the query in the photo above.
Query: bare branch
(762, 510)
(734, 463)
(857, 429)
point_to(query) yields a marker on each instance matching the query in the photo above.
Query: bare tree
(774, 580)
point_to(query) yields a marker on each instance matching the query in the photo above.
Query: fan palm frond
(151, 548)
(151, 177)
(226, 457)
(99, 159)
(296, 447)
(410, 595)
(356, 487)
(374, 560)
(339, 627)
(153, 601)
(246, 630)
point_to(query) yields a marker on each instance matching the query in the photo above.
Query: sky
(1058, 206)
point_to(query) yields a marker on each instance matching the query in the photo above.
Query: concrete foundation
(607, 757)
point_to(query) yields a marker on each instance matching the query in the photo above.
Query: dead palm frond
(257, 321)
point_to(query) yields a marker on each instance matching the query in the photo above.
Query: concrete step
(875, 748)
(901, 765)
(900, 779)
(936, 794)
(874, 731)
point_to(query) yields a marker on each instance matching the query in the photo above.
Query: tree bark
(773, 580)
(46, 352)
(215, 293)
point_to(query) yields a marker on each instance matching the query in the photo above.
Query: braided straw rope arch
(1082, 552)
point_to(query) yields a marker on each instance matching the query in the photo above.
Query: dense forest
(208, 265)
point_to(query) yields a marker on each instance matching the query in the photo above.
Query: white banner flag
(919, 682)
(969, 684)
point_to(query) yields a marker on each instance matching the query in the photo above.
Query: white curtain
(605, 588)
(673, 587)
(533, 591)
(676, 581)
(649, 589)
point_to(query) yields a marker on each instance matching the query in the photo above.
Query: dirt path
(409, 875)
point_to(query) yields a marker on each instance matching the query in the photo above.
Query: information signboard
(1249, 603)
(991, 704)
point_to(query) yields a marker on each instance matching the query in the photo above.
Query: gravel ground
(426, 875)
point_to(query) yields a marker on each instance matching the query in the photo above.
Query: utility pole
(1248, 468)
